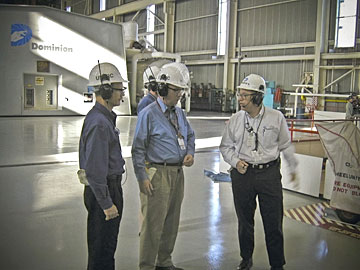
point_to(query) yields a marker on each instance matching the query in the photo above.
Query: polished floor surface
(43, 219)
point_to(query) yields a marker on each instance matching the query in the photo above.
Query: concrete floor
(43, 219)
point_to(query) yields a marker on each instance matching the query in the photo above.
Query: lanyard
(172, 121)
(251, 130)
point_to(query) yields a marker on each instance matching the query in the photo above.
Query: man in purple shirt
(102, 163)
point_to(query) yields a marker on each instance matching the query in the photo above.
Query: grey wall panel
(278, 24)
(207, 74)
(189, 9)
(197, 34)
(285, 74)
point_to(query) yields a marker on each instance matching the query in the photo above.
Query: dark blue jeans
(102, 235)
(266, 185)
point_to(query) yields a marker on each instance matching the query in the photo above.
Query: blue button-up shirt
(156, 140)
(147, 100)
(100, 152)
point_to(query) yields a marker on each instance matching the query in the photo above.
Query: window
(345, 35)
(150, 25)
(102, 5)
(222, 26)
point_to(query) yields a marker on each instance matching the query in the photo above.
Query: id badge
(181, 143)
(251, 141)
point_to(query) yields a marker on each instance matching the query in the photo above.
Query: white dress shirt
(273, 138)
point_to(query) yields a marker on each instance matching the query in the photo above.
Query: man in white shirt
(251, 144)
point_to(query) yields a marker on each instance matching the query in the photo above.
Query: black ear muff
(106, 91)
(162, 87)
(257, 98)
(153, 86)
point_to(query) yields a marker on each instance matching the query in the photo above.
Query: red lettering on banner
(342, 190)
(355, 193)
(350, 186)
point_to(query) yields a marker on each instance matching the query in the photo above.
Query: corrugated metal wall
(272, 23)
(276, 22)
(259, 23)
(199, 33)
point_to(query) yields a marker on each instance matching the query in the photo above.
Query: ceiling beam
(126, 8)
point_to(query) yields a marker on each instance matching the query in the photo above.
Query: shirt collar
(111, 115)
(163, 107)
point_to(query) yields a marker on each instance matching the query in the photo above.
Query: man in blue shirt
(102, 164)
(163, 143)
(149, 79)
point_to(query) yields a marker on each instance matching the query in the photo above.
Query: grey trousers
(161, 213)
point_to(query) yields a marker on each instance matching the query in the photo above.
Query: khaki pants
(161, 213)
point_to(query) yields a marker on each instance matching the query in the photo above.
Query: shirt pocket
(270, 135)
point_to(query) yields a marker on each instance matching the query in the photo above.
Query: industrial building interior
(298, 46)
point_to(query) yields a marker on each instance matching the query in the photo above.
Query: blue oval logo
(20, 34)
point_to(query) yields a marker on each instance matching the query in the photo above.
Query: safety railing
(303, 130)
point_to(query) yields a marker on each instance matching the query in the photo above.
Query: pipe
(315, 95)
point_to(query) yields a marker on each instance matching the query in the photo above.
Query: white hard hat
(176, 74)
(150, 74)
(253, 82)
(153, 70)
(110, 74)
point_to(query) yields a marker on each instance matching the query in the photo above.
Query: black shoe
(245, 265)
(277, 268)
(172, 267)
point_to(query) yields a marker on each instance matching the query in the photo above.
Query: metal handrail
(293, 129)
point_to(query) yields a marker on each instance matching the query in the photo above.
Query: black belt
(179, 164)
(114, 177)
(264, 165)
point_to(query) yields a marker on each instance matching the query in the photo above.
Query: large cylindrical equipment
(130, 33)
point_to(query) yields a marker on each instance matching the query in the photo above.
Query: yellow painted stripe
(318, 215)
(303, 216)
(295, 215)
(311, 217)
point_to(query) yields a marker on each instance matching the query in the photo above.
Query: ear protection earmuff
(258, 97)
(152, 85)
(105, 90)
(163, 87)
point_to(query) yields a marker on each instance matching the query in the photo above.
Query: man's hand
(146, 187)
(188, 160)
(111, 212)
(294, 181)
(241, 166)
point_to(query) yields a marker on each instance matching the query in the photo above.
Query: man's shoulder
(149, 110)
(95, 118)
(237, 115)
(273, 112)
